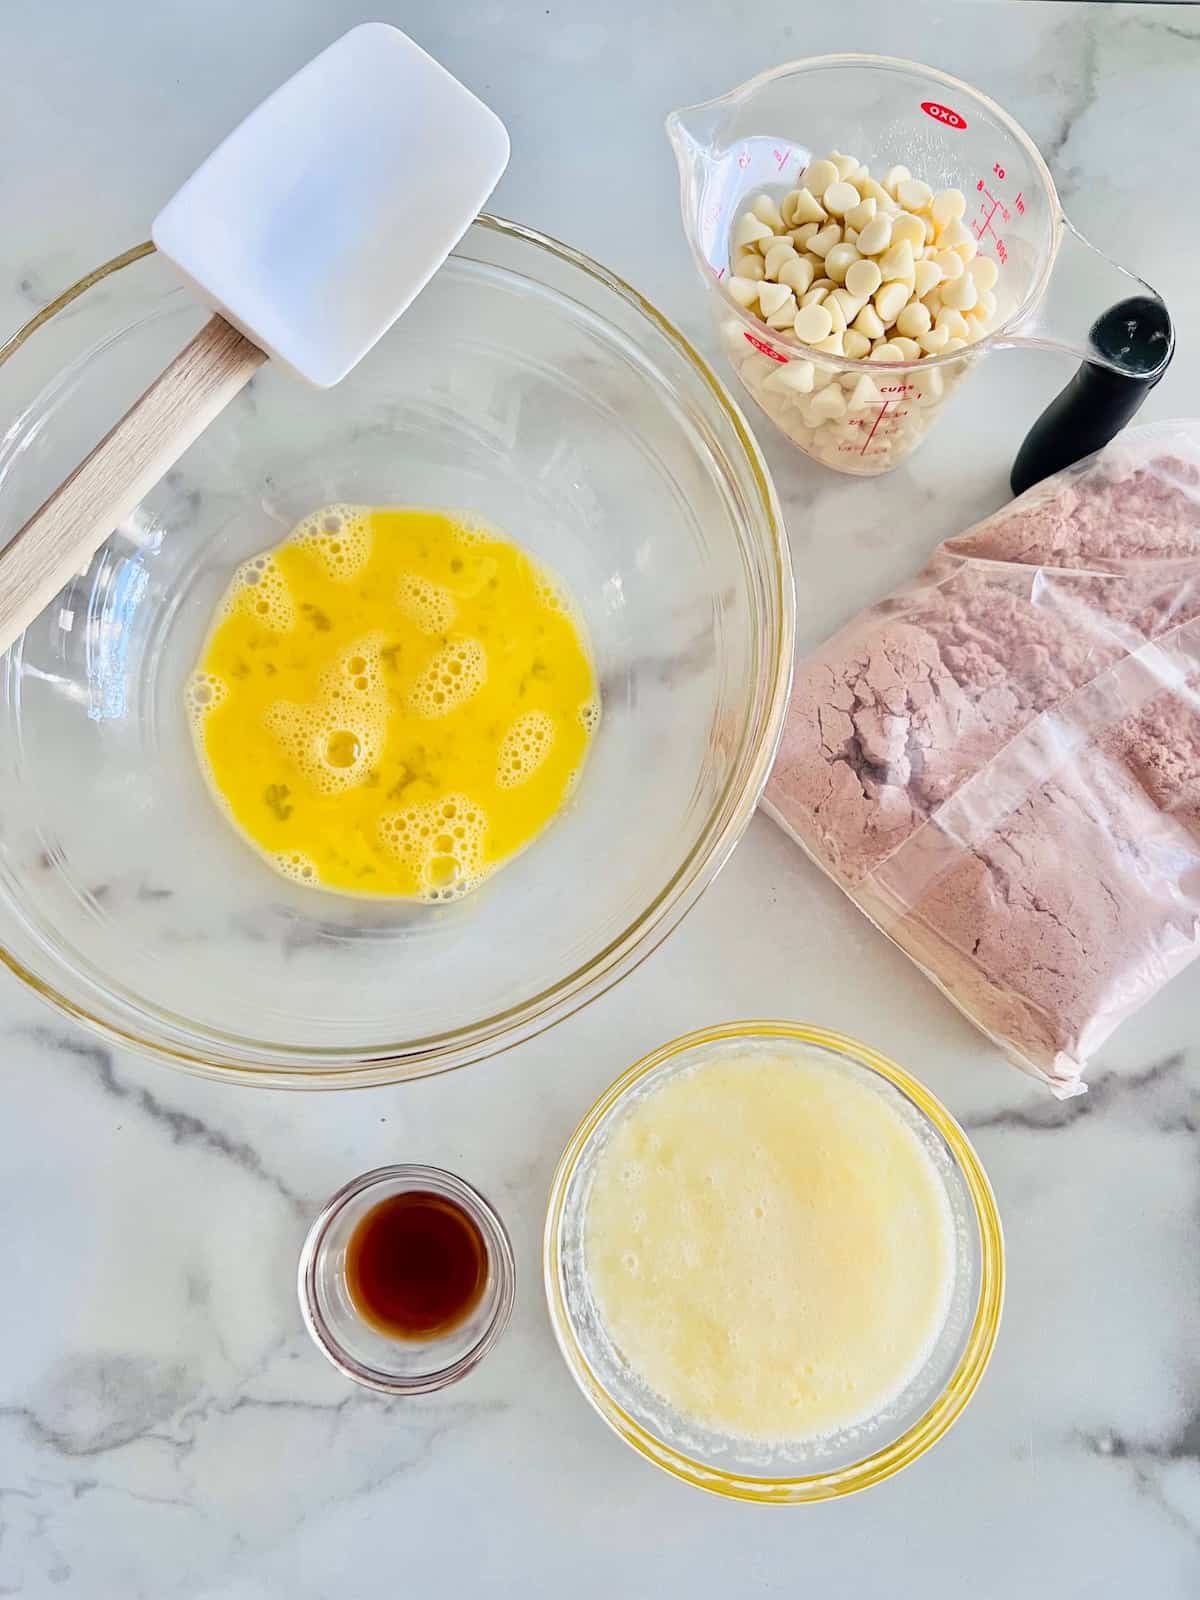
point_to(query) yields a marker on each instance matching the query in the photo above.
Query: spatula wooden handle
(70, 527)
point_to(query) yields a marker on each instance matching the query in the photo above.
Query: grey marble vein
(1081, 39)
(182, 1126)
(1159, 1091)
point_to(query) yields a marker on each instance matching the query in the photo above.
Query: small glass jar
(360, 1351)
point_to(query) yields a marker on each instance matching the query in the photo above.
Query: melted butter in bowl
(770, 1247)
(773, 1262)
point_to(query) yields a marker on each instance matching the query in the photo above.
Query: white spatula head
(323, 215)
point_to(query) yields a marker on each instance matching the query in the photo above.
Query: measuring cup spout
(692, 130)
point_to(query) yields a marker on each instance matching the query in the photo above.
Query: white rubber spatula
(309, 230)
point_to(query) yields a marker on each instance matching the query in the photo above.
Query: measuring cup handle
(1098, 401)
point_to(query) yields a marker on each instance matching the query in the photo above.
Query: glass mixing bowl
(787, 1472)
(527, 384)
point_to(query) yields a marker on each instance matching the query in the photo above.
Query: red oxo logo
(943, 114)
(761, 345)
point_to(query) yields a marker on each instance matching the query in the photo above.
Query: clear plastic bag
(1000, 764)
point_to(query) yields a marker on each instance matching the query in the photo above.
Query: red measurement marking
(720, 274)
(943, 114)
(767, 350)
(744, 160)
(994, 207)
(782, 157)
(874, 425)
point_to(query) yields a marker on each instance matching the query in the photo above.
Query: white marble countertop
(180, 1436)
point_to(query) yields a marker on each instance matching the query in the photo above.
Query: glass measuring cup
(1054, 289)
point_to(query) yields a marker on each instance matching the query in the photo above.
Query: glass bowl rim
(441, 1181)
(878, 1465)
(208, 1053)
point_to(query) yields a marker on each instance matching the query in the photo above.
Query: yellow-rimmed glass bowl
(784, 1472)
(527, 384)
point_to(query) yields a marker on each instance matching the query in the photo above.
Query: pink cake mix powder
(1000, 763)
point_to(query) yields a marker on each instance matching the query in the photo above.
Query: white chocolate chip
(743, 290)
(934, 340)
(855, 344)
(782, 250)
(953, 321)
(984, 308)
(954, 344)
(950, 262)
(820, 175)
(875, 237)
(798, 273)
(863, 277)
(910, 228)
(839, 198)
(749, 230)
(803, 233)
(985, 272)
(838, 260)
(886, 352)
(914, 320)
(836, 315)
(822, 283)
(948, 206)
(858, 216)
(773, 295)
(830, 402)
(850, 304)
(806, 208)
(831, 346)
(913, 194)
(868, 322)
(897, 263)
(849, 235)
(765, 209)
(825, 239)
(864, 393)
(926, 276)
(960, 295)
(845, 164)
(952, 234)
(749, 265)
(890, 300)
(893, 177)
(908, 348)
(794, 375)
(813, 323)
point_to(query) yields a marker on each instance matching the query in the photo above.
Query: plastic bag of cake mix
(1000, 764)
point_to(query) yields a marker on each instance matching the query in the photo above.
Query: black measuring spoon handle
(1099, 401)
